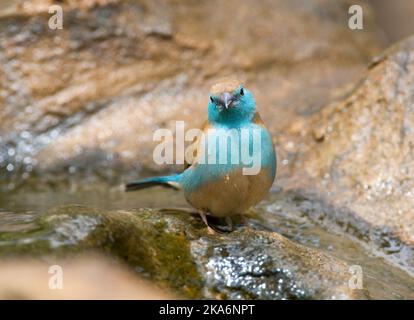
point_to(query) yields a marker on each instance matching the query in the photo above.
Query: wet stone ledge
(175, 250)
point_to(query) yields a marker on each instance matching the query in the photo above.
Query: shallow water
(283, 214)
(278, 212)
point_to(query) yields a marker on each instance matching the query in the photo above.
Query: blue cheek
(213, 112)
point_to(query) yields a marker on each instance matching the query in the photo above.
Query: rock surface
(362, 155)
(175, 250)
(82, 278)
(84, 102)
(88, 98)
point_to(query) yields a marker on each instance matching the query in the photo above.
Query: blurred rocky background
(79, 106)
(85, 100)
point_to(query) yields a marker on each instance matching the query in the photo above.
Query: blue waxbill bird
(223, 188)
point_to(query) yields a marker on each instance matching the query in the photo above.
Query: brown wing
(191, 152)
(257, 119)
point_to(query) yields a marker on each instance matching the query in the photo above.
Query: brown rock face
(89, 97)
(363, 154)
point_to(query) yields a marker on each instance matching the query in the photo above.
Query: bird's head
(230, 103)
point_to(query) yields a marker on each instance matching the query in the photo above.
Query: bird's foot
(213, 229)
(210, 230)
(229, 223)
(244, 221)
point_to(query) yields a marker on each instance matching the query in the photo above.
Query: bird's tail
(172, 181)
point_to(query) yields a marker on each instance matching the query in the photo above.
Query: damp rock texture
(362, 155)
(265, 265)
(87, 99)
(174, 250)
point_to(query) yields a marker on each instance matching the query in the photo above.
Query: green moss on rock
(175, 250)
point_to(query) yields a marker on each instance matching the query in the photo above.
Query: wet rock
(306, 220)
(264, 265)
(362, 156)
(82, 278)
(175, 250)
(87, 98)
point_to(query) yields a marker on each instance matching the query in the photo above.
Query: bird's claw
(212, 229)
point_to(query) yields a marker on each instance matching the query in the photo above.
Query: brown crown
(225, 86)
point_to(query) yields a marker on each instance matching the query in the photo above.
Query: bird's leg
(243, 220)
(203, 216)
(229, 223)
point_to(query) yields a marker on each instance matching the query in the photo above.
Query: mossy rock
(174, 249)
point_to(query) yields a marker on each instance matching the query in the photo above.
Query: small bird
(222, 188)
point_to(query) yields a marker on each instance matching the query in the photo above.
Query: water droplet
(25, 134)
(11, 152)
(10, 167)
(289, 145)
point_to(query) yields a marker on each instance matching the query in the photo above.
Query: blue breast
(229, 148)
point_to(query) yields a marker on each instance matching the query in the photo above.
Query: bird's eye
(211, 99)
(242, 92)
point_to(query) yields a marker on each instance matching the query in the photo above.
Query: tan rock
(361, 158)
(90, 96)
(82, 278)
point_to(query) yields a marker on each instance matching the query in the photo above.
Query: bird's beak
(226, 99)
